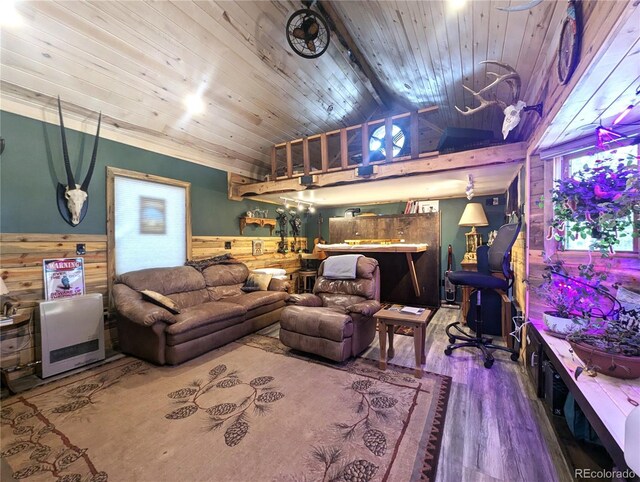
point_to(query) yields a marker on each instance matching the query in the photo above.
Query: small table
(386, 321)
(17, 321)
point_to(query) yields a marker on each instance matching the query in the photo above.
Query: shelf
(259, 221)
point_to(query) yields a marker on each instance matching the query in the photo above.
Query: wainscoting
(21, 258)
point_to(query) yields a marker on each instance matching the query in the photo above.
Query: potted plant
(572, 297)
(607, 347)
(597, 202)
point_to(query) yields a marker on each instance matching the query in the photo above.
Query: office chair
(498, 260)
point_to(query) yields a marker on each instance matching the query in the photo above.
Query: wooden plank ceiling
(136, 62)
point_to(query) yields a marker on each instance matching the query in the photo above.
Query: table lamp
(3, 291)
(473, 216)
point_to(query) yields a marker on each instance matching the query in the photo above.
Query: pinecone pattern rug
(249, 411)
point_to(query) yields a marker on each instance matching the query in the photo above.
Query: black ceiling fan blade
(311, 46)
(298, 33)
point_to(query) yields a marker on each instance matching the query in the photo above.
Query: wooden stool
(306, 280)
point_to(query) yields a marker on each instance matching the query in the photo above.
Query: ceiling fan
(308, 33)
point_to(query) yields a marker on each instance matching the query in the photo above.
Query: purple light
(623, 114)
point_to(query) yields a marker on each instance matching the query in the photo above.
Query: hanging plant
(598, 202)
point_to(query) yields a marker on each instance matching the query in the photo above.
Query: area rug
(247, 411)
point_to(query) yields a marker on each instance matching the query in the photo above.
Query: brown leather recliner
(336, 321)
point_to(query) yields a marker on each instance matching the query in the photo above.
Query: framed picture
(153, 215)
(257, 247)
(63, 278)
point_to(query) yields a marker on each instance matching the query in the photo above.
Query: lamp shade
(473, 215)
(3, 288)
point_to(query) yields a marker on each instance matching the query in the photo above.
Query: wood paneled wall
(21, 258)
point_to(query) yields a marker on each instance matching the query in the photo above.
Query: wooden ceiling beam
(388, 99)
(502, 154)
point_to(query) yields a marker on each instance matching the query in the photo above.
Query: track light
(300, 204)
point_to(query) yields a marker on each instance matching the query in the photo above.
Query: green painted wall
(32, 165)
(450, 213)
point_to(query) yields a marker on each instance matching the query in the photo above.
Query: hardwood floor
(496, 429)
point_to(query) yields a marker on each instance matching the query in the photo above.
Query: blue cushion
(477, 280)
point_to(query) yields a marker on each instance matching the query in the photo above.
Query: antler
(512, 78)
(87, 179)
(71, 183)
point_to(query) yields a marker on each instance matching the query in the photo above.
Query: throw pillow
(161, 300)
(257, 282)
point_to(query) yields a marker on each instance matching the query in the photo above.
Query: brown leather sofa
(213, 310)
(336, 321)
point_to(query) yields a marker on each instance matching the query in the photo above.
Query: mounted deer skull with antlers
(73, 198)
(513, 109)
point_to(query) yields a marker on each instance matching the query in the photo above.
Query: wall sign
(63, 278)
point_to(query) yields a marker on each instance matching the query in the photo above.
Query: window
(572, 165)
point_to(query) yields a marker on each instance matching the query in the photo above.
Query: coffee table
(387, 319)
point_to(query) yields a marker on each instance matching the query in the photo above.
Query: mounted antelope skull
(513, 109)
(73, 198)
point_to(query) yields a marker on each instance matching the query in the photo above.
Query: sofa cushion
(256, 299)
(318, 322)
(339, 300)
(225, 274)
(165, 281)
(190, 298)
(218, 293)
(160, 300)
(206, 314)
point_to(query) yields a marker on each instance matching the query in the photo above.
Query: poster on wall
(63, 278)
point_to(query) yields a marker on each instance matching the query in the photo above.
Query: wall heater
(69, 333)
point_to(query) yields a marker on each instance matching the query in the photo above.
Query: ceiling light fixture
(457, 4)
(299, 203)
(194, 103)
(9, 16)
(623, 114)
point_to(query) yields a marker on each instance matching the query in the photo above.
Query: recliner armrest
(129, 303)
(366, 308)
(305, 299)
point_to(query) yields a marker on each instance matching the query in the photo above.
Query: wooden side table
(18, 321)
(305, 281)
(387, 319)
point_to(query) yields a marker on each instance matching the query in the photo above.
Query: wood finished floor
(496, 428)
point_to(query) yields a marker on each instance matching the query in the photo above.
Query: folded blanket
(341, 267)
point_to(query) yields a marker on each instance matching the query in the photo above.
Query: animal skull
(75, 200)
(512, 117)
(74, 194)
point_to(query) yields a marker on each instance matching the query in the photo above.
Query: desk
(604, 400)
(386, 321)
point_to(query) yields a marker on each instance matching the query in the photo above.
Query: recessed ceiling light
(194, 103)
(9, 16)
(457, 4)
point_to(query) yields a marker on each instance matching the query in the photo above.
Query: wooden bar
(344, 149)
(324, 152)
(388, 139)
(365, 144)
(414, 135)
(305, 156)
(412, 273)
(289, 161)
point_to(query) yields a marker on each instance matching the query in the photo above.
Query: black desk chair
(498, 261)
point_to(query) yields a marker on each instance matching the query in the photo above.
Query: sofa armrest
(305, 299)
(366, 308)
(279, 285)
(129, 303)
